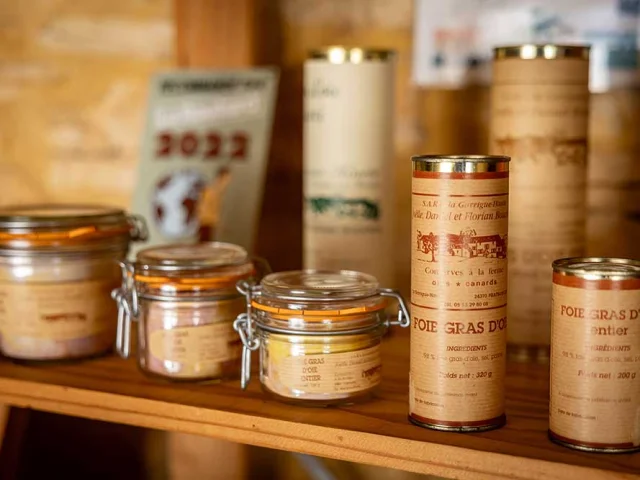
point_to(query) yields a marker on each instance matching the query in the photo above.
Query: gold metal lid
(597, 268)
(545, 51)
(460, 163)
(461, 158)
(338, 54)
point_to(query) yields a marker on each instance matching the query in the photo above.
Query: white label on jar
(198, 349)
(331, 373)
(57, 311)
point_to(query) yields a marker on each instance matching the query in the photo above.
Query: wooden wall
(73, 83)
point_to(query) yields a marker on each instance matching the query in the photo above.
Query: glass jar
(184, 300)
(318, 333)
(58, 266)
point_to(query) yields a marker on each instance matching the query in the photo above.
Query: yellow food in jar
(321, 367)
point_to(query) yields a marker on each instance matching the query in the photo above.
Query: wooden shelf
(377, 432)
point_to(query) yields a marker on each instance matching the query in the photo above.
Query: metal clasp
(139, 231)
(404, 319)
(127, 299)
(243, 324)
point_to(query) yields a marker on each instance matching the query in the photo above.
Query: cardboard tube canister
(458, 292)
(539, 117)
(595, 354)
(348, 161)
(613, 194)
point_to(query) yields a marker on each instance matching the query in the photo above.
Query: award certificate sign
(204, 155)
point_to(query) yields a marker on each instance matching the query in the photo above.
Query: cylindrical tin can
(595, 354)
(459, 292)
(348, 161)
(613, 193)
(539, 117)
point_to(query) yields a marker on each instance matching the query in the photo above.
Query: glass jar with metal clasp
(318, 333)
(58, 265)
(184, 300)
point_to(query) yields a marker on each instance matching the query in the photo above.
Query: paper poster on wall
(204, 155)
(453, 40)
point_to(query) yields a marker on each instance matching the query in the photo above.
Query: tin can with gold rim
(460, 207)
(58, 265)
(184, 300)
(595, 354)
(348, 160)
(318, 333)
(539, 117)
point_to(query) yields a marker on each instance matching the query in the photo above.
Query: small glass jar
(185, 302)
(318, 333)
(58, 266)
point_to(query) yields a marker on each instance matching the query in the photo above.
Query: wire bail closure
(404, 319)
(127, 299)
(244, 324)
(139, 231)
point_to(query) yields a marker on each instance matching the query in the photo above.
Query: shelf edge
(419, 457)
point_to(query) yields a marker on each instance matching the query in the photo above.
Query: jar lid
(64, 225)
(319, 294)
(317, 302)
(55, 216)
(195, 267)
(314, 285)
(200, 256)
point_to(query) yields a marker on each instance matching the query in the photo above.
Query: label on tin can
(595, 362)
(539, 118)
(458, 297)
(348, 167)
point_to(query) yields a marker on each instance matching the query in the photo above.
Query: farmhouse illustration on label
(466, 244)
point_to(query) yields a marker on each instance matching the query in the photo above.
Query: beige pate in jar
(184, 300)
(58, 266)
